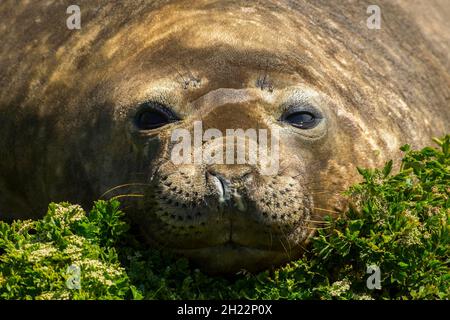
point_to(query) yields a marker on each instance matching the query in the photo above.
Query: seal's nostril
(228, 196)
(222, 185)
(225, 183)
(218, 183)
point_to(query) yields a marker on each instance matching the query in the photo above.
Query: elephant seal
(91, 112)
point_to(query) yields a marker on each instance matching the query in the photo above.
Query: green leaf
(387, 168)
(405, 148)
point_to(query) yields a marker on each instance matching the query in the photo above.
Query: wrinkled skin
(69, 99)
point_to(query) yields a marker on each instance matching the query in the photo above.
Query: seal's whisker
(269, 240)
(315, 219)
(180, 75)
(285, 250)
(289, 253)
(289, 243)
(317, 228)
(304, 248)
(322, 192)
(125, 208)
(131, 195)
(122, 186)
(326, 210)
(318, 221)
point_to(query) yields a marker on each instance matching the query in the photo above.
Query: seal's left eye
(153, 115)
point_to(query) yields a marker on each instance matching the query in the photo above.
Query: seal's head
(144, 103)
(232, 178)
(202, 96)
(209, 72)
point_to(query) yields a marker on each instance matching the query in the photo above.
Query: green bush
(398, 223)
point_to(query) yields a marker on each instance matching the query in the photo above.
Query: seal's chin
(231, 257)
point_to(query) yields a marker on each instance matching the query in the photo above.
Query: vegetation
(397, 223)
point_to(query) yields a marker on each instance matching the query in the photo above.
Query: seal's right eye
(153, 115)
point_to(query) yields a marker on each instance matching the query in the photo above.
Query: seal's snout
(210, 212)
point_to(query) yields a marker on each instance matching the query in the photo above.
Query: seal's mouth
(232, 257)
(229, 246)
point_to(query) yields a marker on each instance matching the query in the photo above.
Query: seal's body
(84, 112)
